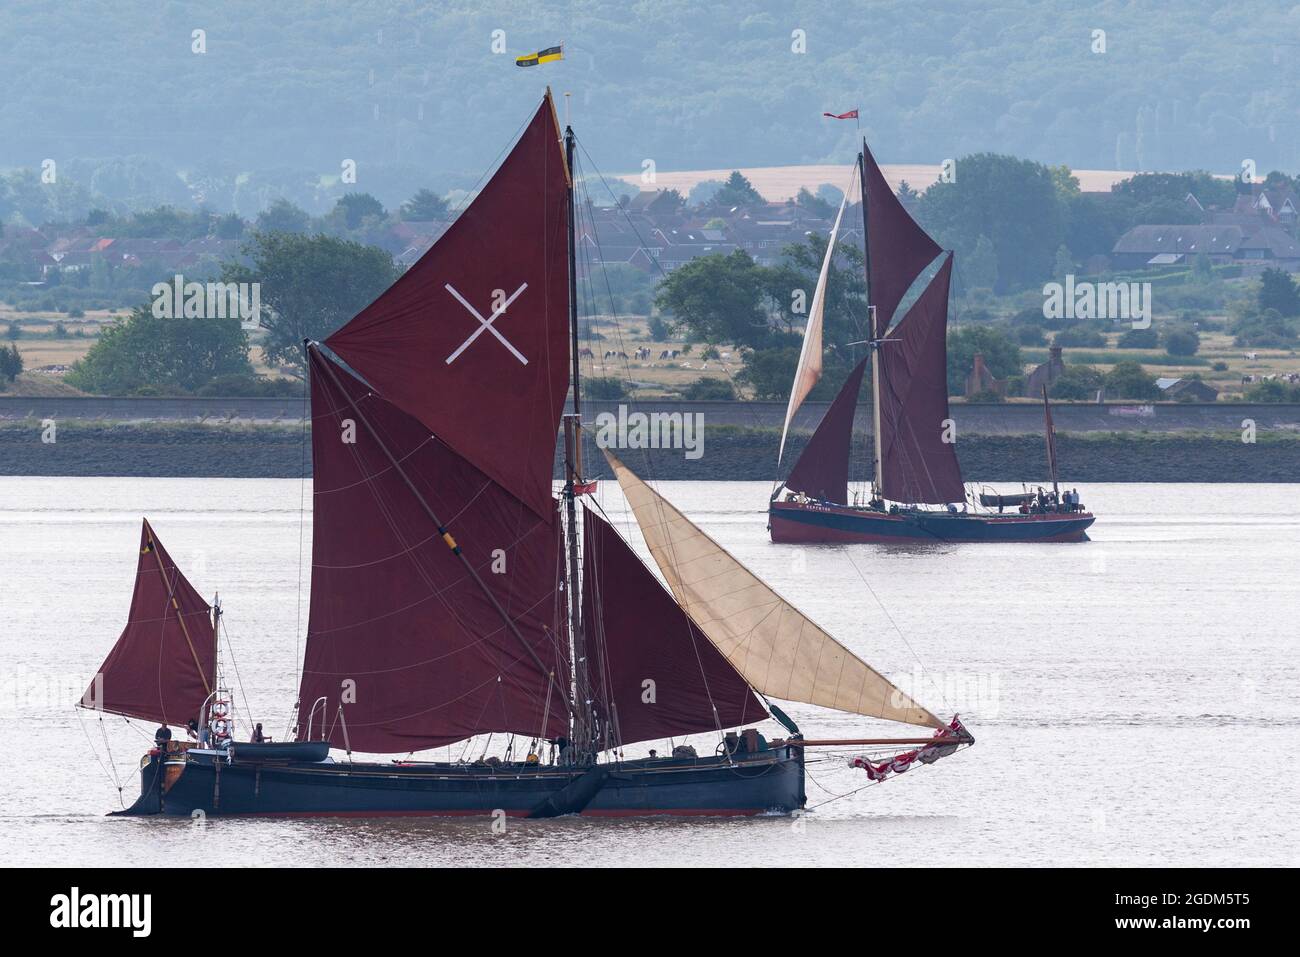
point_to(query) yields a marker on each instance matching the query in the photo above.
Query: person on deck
(161, 737)
(257, 737)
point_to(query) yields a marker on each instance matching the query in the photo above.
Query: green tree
(283, 216)
(1272, 390)
(708, 388)
(718, 299)
(1001, 354)
(310, 286)
(11, 362)
(1012, 201)
(814, 204)
(737, 191)
(1138, 339)
(424, 206)
(1262, 327)
(1128, 380)
(604, 387)
(1077, 382)
(980, 269)
(229, 226)
(143, 352)
(1064, 264)
(770, 372)
(1277, 290)
(1080, 337)
(1182, 342)
(353, 209)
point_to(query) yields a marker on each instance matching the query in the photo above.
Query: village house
(1045, 374)
(1258, 231)
(1190, 389)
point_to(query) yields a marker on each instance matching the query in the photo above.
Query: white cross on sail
(486, 324)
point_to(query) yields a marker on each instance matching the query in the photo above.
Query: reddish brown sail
(822, 471)
(473, 339)
(162, 667)
(655, 674)
(401, 635)
(897, 248)
(918, 466)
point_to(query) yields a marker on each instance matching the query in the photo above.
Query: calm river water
(1134, 699)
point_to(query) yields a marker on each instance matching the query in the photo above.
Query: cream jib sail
(770, 642)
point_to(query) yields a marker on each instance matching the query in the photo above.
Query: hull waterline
(817, 523)
(769, 781)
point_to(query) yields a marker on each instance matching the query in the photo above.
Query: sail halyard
(778, 650)
(809, 369)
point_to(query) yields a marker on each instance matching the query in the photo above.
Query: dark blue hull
(818, 523)
(769, 781)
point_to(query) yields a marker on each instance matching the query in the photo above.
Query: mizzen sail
(163, 665)
(918, 454)
(822, 469)
(770, 642)
(655, 674)
(473, 339)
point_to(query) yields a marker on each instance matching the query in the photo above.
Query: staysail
(473, 339)
(918, 452)
(809, 369)
(773, 645)
(897, 248)
(414, 647)
(163, 665)
(822, 469)
(654, 673)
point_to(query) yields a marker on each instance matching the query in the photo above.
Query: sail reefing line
(778, 650)
(809, 370)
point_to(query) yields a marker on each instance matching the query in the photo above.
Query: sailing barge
(914, 453)
(454, 595)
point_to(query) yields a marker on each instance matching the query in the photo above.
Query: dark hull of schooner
(821, 523)
(770, 781)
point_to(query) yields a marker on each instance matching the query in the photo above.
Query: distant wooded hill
(414, 93)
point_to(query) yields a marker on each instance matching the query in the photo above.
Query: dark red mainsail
(473, 339)
(897, 248)
(400, 632)
(822, 471)
(655, 674)
(918, 466)
(163, 665)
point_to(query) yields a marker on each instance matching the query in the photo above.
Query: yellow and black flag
(541, 56)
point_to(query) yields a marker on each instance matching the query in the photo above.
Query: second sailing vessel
(454, 595)
(914, 453)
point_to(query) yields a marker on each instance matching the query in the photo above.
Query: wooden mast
(1050, 434)
(877, 480)
(583, 731)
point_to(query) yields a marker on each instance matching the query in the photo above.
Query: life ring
(220, 709)
(221, 727)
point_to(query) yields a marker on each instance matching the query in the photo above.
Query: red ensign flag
(850, 115)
